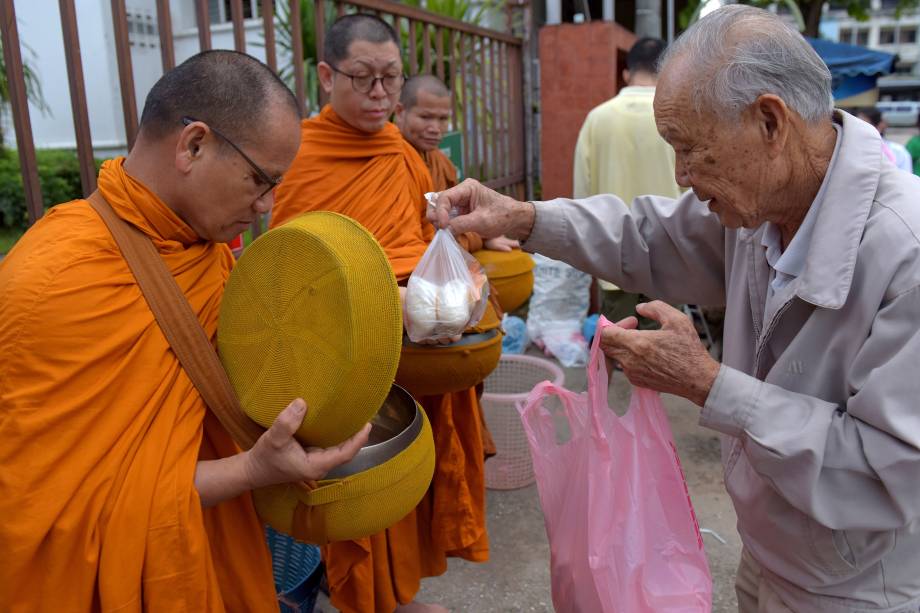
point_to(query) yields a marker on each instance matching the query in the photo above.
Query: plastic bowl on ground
(507, 386)
(298, 571)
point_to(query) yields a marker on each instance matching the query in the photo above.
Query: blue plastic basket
(298, 572)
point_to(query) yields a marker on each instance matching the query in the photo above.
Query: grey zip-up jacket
(819, 406)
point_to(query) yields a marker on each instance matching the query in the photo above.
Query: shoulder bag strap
(179, 324)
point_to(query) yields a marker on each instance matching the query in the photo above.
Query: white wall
(40, 28)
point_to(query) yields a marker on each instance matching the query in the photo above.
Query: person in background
(895, 152)
(619, 151)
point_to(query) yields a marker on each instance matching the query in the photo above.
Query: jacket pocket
(832, 549)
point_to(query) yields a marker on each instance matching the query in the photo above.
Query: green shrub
(58, 175)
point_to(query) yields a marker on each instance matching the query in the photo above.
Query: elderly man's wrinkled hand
(671, 360)
(482, 210)
(278, 457)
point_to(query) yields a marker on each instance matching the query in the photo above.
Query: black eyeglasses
(392, 83)
(263, 176)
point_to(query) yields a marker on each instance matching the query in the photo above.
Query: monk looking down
(353, 161)
(423, 115)
(119, 490)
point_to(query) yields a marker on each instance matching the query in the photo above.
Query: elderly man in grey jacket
(811, 239)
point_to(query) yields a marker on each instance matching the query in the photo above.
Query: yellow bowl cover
(312, 310)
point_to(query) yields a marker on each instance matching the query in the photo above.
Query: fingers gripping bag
(447, 292)
(622, 532)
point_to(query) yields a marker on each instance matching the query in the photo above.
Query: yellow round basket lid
(499, 264)
(312, 310)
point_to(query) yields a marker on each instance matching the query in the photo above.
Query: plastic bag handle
(598, 381)
(538, 422)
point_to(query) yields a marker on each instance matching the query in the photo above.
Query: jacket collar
(853, 183)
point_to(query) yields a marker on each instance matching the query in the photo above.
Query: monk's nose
(264, 204)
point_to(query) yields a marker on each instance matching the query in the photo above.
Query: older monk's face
(721, 158)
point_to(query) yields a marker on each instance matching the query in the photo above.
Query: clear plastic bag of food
(447, 292)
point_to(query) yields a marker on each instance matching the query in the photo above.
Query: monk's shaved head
(231, 91)
(425, 82)
(347, 29)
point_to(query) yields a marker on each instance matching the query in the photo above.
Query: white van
(899, 112)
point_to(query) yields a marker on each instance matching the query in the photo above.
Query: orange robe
(379, 180)
(443, 172)
(102, 429)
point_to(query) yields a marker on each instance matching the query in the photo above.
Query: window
(846, 35)
(862, 37)
(907, 35)
(886, 36)
(219, 11)
(142, 29)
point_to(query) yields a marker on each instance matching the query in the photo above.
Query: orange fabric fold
(380, 180)
(443, 172)
(102, 428)
(379, 572)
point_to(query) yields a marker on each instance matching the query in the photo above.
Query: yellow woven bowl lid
(312, 310)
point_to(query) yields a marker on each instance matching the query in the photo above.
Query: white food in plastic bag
(438, 310)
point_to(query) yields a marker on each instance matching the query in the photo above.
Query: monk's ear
(400, 109)
(189, 146)
(325, 76)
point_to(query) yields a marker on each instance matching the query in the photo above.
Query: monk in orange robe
(353, 161)
(119, 490)
(423, 115)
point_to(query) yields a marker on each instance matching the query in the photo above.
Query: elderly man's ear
(774, 120)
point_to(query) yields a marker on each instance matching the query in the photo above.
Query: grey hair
(739, 53)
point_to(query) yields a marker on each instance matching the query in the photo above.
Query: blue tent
(854, 69)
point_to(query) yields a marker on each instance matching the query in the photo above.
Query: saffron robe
(102, 428)
(379, 180)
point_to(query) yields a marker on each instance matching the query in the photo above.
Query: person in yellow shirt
(620, 152)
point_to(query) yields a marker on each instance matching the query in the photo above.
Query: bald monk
(352, 160)
(423, 115)
(119, 490)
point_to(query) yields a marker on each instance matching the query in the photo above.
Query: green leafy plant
(33, 86)
(58, 176)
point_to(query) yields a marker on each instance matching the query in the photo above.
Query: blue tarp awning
(851, 60)
(854, 69)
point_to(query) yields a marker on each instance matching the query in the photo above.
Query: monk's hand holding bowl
(278, 457)
(476, 208)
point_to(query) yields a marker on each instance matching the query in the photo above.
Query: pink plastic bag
(621, 528)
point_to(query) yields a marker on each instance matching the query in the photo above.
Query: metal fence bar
(204, 24)
(495, 111)
(486, 127)
(78, 96)
(452, 76)
(239, 32)
(300, 88)
(268, 28)
(413, 51)
(319, 24)
(125, 70)
(464, 88)
(475, 76)
(439, 48)
(520, 163)
(12, 57)
(506, 108)
(423, 16)
(164, 25)
(426, 49)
